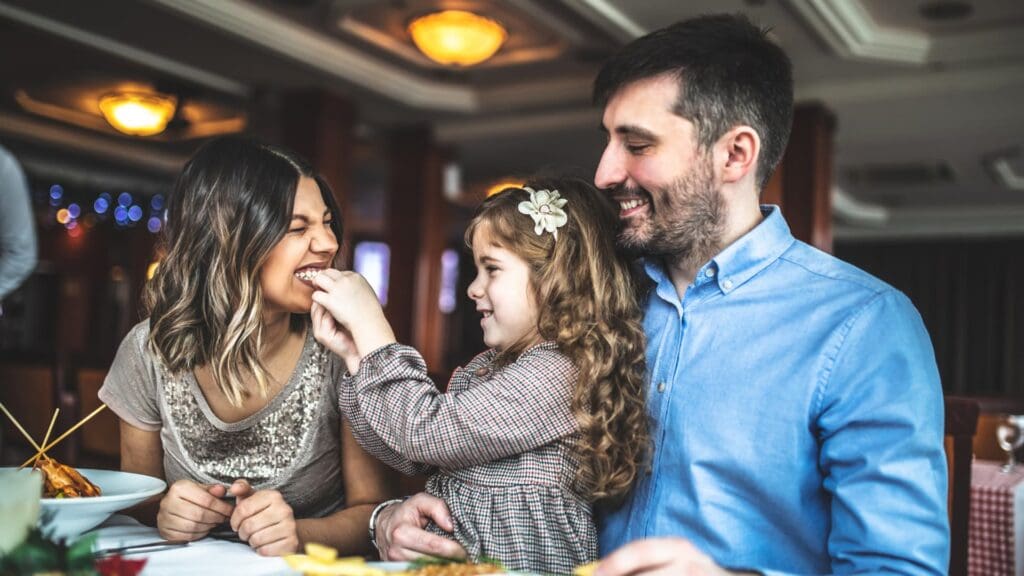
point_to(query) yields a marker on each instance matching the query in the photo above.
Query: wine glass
(1010, 435)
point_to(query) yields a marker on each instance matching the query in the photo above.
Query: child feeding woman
(547, 421)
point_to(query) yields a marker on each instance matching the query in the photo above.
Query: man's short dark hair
(729, 74)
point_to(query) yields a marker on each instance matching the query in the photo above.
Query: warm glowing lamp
(137, 113)
(457, 37)
(500, 186)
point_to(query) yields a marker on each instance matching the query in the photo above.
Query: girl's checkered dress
(499, 445)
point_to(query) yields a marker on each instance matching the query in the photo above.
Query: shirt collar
(742, 259)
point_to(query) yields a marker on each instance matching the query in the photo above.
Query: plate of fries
(322, 560)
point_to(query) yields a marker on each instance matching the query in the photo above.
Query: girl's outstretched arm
(521, 407)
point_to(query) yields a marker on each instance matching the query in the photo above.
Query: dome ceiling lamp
(138, 113)
(456, 37)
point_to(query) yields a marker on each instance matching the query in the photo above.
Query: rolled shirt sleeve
(880, 426)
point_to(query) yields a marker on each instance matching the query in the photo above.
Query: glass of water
(1010, 435)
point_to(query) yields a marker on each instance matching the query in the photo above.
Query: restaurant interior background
(907, 157)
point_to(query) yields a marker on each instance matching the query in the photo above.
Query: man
(796, 409)
(17, 233)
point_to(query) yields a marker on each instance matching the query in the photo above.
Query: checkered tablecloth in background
(996, 533)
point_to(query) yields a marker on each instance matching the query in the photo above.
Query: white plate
(65, 518)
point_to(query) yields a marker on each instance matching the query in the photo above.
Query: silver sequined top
(291, 445)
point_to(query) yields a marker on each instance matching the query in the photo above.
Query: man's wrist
(375, 514)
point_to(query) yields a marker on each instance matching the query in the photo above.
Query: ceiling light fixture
(138, 113)
(457, 37)
(502, 185)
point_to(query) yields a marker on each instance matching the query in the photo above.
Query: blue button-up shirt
(797, 417)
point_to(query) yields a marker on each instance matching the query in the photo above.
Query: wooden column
(417, 223)
(804, 183)
(318, 126)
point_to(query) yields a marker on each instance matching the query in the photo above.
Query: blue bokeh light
(157, 202)
(101, 205)
(56, 192)
(121, 214)
(135, 213)
(154, 224)
(74, 210)
(124, 199)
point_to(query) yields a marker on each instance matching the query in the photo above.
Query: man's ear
(739, 150)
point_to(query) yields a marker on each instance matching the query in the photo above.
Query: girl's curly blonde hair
(587, 304)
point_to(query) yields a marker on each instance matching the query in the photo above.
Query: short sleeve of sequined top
(130, 387)
(291, 445)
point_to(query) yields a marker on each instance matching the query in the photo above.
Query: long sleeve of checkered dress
(485, 415)
(502, 440)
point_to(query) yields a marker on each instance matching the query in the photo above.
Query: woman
(223, 391)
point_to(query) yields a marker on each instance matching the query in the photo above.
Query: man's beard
(685, 221)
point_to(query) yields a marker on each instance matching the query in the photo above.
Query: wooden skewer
(40, 453)
(18, 426)
(47, 447)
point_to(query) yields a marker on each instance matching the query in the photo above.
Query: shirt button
(710, 272)
(661, 387)
(727, 284)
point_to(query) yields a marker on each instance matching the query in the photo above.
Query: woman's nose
(324, 241)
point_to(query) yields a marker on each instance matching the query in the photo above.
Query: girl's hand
(348, 297)
(190, 510)
(334, 337)
(264, 520)
(353, 304)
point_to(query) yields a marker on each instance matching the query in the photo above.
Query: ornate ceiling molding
(125, 51)
(940, 222)
(609, 18)
(129, 152)
(849, 30)
(1001, 166)
(326, 54)
(959, 80)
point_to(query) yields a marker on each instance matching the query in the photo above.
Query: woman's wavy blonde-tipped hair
(587, 304)
(231, 205)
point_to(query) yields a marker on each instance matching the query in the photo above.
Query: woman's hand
(401, 535)
(264, 520)
(190, 510)
(350, 300)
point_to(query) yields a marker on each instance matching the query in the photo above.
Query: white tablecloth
(206, 556)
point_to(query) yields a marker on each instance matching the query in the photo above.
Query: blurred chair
(961, 424)
(98, 443)
(28, 388)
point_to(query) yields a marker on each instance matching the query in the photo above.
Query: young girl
(550, 418)
(223, 390)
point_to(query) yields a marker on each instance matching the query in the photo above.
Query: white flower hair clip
(545, 207)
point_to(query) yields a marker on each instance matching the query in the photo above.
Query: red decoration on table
(118, 565)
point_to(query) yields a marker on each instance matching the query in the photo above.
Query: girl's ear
(737, 153)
